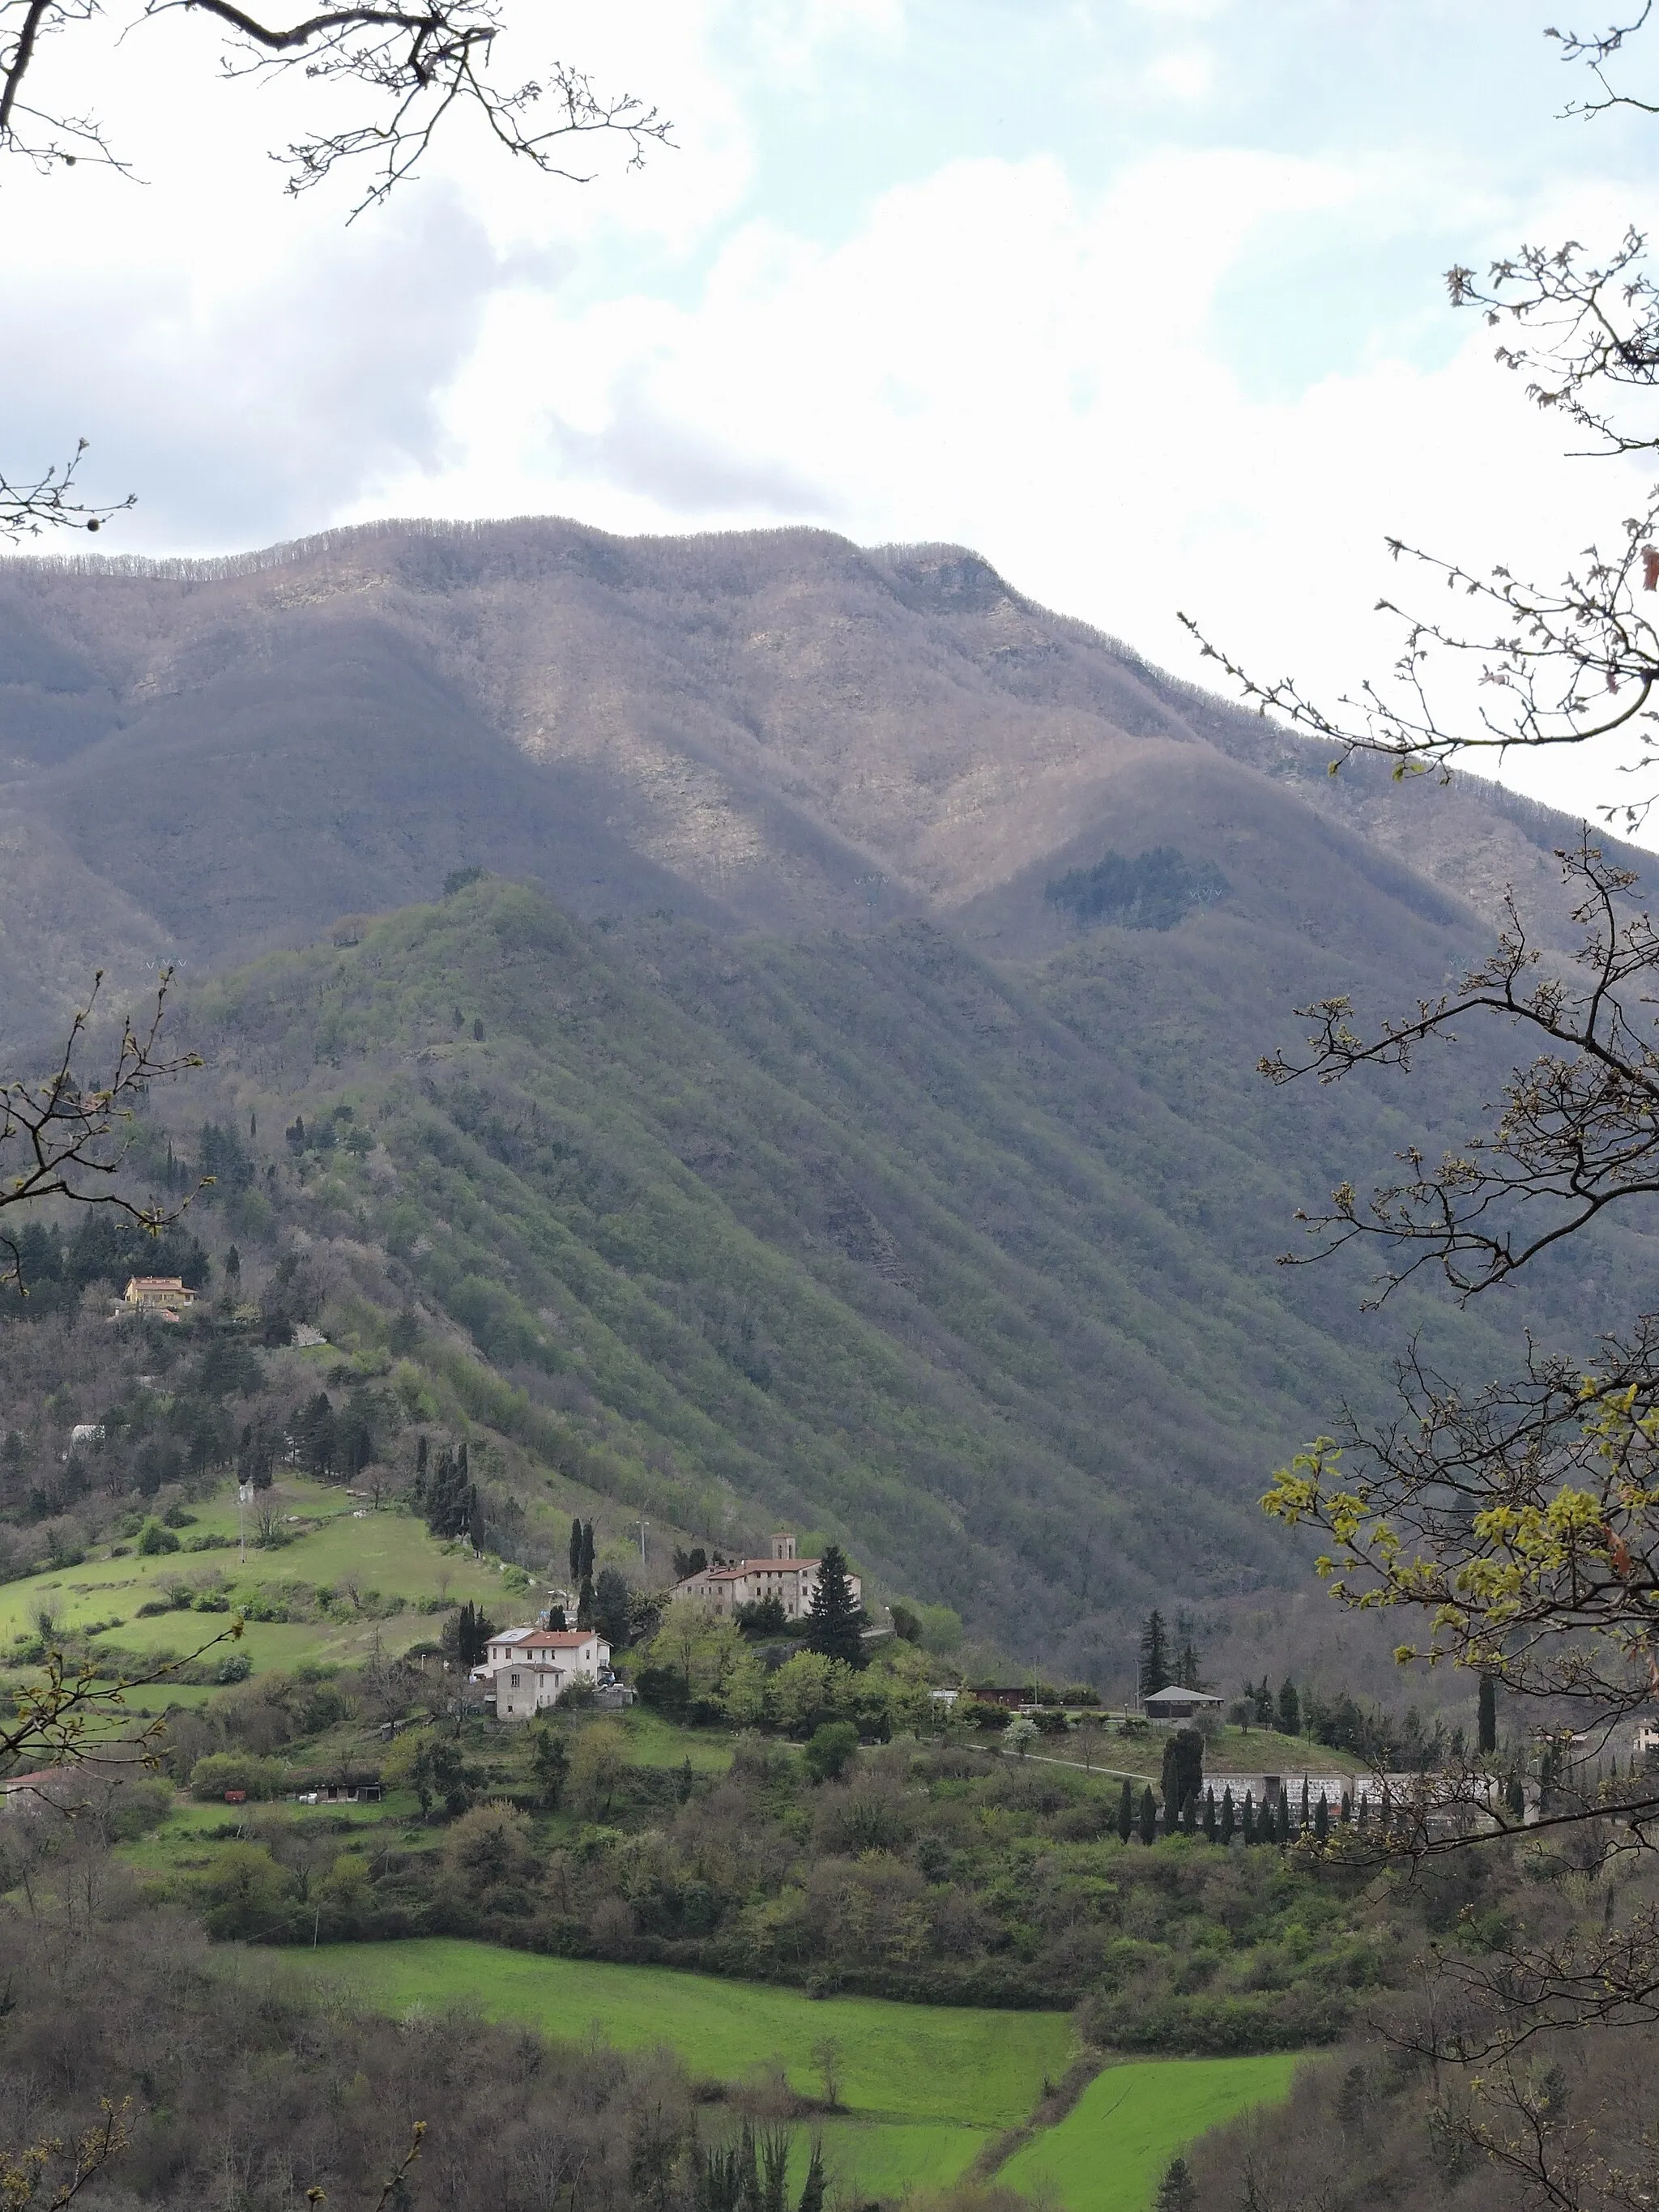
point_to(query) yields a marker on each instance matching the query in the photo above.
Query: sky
(1142, 299)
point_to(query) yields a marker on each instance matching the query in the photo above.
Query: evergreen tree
(233, 1269)
(1301, 1825)
(1486, 1725)
(836, 1619)
(466, 1637)
(611, 1601)
(1126, 1811)
(1282, 1819)
(1148, 1816)
(475, 1519)
(1321, 1823)
(1250, 1817)
(1290, 1709)
(1209, 1815)
(584, 1603)
(811, 2195)
(585, 1572)
(1154, 1656)
(575, 1554)
(1177, 2192)
(1187, 1669)
(549, 1762)
(1229, 1817)
(1183, 1773)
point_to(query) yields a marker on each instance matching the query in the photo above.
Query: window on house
(515, 1681)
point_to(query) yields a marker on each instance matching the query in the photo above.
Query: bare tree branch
(60, 1138)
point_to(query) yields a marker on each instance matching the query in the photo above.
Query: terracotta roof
(749, 1566)
(562, 1639)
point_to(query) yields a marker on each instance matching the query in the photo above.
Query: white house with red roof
(532, 1669)
(749, 1581)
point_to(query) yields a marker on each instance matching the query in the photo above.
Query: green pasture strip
(1110, 2150)
(864, 2160)
(898, 2062)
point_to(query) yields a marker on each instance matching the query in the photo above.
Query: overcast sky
(1140, 298)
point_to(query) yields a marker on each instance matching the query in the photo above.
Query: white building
(532, 1669)
(748, 1582)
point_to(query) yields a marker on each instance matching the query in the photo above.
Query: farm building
(790, 1580)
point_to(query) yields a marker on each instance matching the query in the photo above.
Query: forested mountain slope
(971, 1267)
(776, 729)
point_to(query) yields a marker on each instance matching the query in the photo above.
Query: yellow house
(162, 1294)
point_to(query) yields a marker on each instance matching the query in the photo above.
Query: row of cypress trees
(1220, 1823)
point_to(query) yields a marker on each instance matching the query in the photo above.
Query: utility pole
(644, 1524)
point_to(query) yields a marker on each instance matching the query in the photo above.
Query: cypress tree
(1229, 1816)
(1148, 1816)
(834, 1620)
(575, 1553)
(584, 1603)
(1126, 1811)
(1301, 1828)
(1290, 1709)
(1322, 1827)
(586, 1571)
(475, 1520)
(1486, 1722)
(1347, 1813)
(1190, 1814)
(812, 2195)
(1250, 1817)
(1282, 1819)
(1364, 1820)
(1209, 1815)
(1154, 1656)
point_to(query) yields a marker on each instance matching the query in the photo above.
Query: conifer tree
(1290, 1709)
(811, 2195)
(1154, 1656)
(585, 1573)
(1126, 1811)
(836, 1619)
(1229, 1816)
(575, 1553)
(1250, 1817)
(1282, 1819)
(1321, 1821)
(1148, 1816)
(1209, 1815)
(1486, 1722)
(1177, 2192)
(1190, 1814)
(1301, 1826)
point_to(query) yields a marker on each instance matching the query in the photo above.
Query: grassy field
(390, 1552)
(1108, 2152)
(938, 2063)
(927, 2087)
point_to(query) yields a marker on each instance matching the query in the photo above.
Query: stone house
(792, 1581)
(531, 1669)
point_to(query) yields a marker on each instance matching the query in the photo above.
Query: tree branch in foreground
(61, 1139)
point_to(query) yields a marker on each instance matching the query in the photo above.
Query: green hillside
(972, 1267)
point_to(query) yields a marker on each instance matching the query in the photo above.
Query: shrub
(829, 1749)
(235, 1667)
(155, 1536)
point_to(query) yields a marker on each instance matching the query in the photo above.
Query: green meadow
(1108, 2153)
(928, 2089)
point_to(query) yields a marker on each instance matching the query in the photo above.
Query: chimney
(783, 1545)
